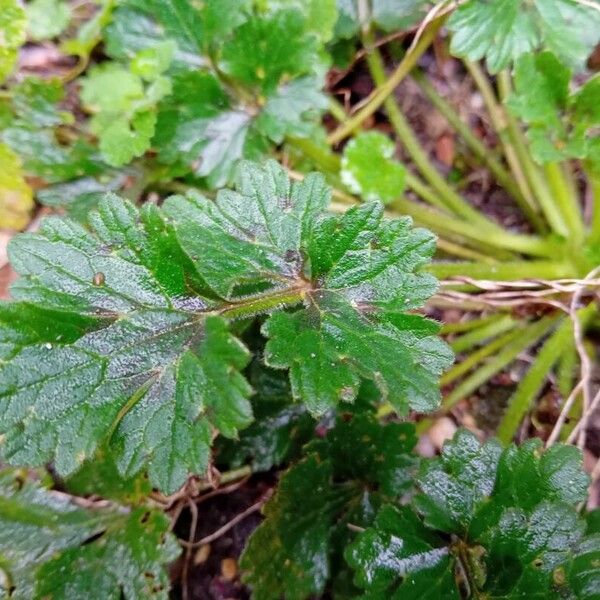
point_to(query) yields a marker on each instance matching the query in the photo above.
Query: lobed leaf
(502, 30)
(342, 480)
(369, 168)
(52, 548)
(153, 368)
(515, 530)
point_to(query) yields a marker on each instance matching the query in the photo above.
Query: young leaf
(502, 30)
(47, 18)
(512, 518)
(388, 15)
(306, 521)
(560, 123)
(124, 107)
(51, 548)
(369, 168)
(158, 371)
(13, 24)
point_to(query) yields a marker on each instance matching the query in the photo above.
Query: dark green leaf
(51, 548)
(400, 558)
(513, 524)
(158, 372)
(342, 481)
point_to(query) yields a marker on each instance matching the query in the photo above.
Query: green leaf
(157, 372)
(306, 522)
(127, 561)
(179, 21)
(221, 17)
(199, 126)
(35, 102)
(321, 15)
(401, 557)
(369, 168)
(13, 23)
(279, 431)
(51, 548)
(266, 49)
(168, 425)
(125, 108)
(132, 30)
(16, 197)
(47, 18)
(357, 255)
(388, 15)
(512, 516)
(100, 477)
(502, 30)
(583, 571)
(560, 123)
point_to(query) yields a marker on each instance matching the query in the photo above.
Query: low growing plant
(199, 312)
(123, 359)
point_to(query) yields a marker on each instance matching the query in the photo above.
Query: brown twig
(229, 525)
(188, 552)
(585, 365)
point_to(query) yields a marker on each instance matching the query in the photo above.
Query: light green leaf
(370, 170)
(47, 19)
(502, 30)
(16, 197)
(13, 23)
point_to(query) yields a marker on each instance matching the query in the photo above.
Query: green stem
(323, 157)
(530, 386)
(532, 172)
(566, 371)
(473, 359)
(254, 305)
(469, 325)
(528, 336)
(481, 334)
(410, 142)
(499, 121)
(494, 237)
(382, 92)
(337, 110)
(566, 201)
(484, 154)
(461, 251)
(227, 477)
(423, 191)
(594, 234)
(506, 271)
